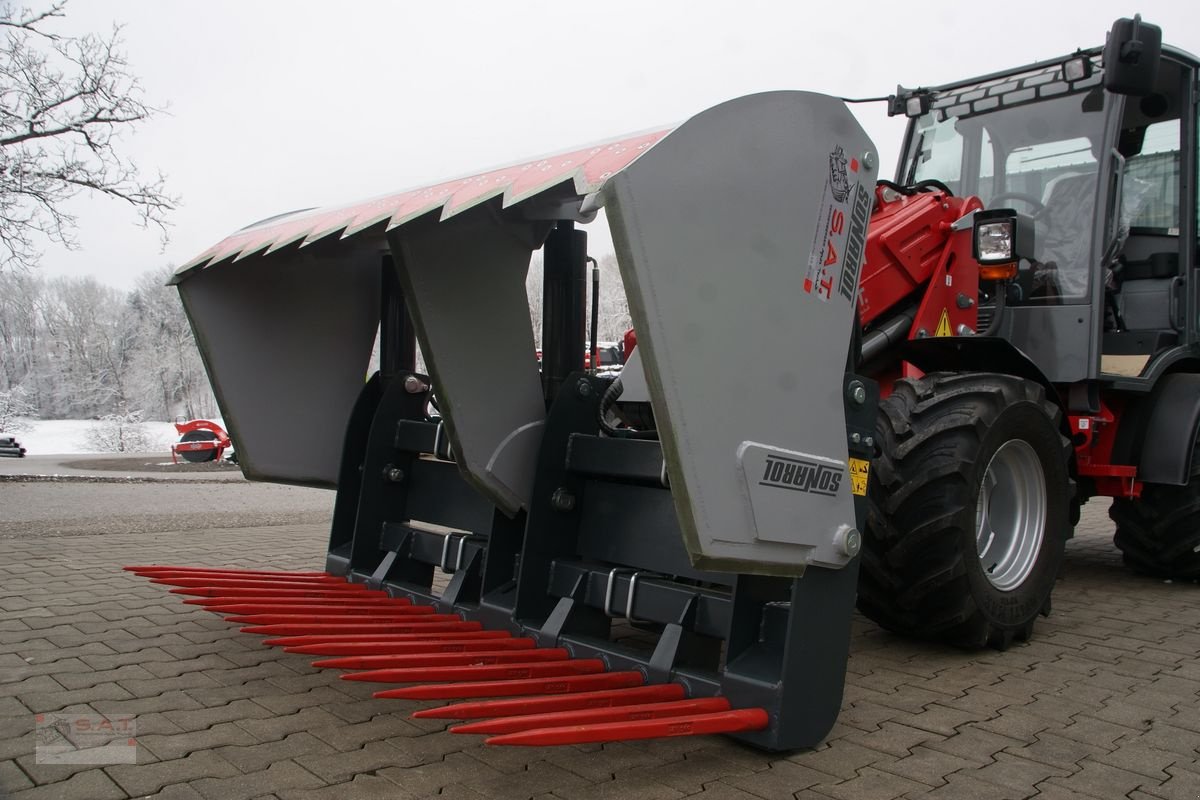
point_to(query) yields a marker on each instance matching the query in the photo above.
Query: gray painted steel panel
(464, 280)
(732, 235)
(287, 345)
(1057, 338)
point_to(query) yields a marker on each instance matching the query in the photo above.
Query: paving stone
(12, 778)
(276, 778)
(1182, 785)
(144, 779)
(1171, 738)
(781, 780)
(41, 684)
(151, 686)
(620, 788)
(363, 787)
(11, 707)
(926, 766)
(432, 778)
(351, 737)
(90, 785)
(1135, 757)
(893, 738)
(1018, 723)
(179, 666)
(1103, 780)
(340, 704)
(177, 791)
(871, 784)
(723, 791)
(540, 777)
(167, 701)
(964, 786)
(255, 757)
(272, 727)
(339, 766)
(1017, 773)
(56, 701)
(110, 660)
(218, 695)
(91, 677)
(975, 745)
(172, 746)
(199, 719)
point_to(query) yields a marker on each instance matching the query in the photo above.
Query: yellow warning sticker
(943, 328)
(860, 469)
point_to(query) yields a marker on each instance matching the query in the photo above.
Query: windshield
(1030, 143)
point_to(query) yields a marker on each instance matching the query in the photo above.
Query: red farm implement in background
(200, 440)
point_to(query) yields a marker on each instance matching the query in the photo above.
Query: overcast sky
(274, 106)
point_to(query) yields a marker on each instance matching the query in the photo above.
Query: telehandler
(845, 387)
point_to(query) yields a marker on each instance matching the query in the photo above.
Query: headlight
(1002, 238)
(994, 242)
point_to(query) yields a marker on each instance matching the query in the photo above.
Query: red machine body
(200, 440)
(915, 257)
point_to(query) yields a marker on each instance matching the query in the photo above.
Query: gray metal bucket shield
(740, 238)
(287, 345)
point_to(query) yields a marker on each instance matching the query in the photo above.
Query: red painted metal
(370, 607)
(227, 592)
(604, 698)
(592, 716)
(587, 168)
(220, 443)
(908, 240)
(292, 600)
(446, 659)
(516, 688)
(744, 719)
(410, 626)
(487, 672)
(261, 582)
(397, 614)
(149, 569)
(396, 644)
(1095, 436)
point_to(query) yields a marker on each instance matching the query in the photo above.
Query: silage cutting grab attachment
(696, 578)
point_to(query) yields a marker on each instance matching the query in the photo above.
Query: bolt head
(855, 437)
(868, 160)
(857, 392)
(869, 441)
(848, 540)
(583, 389)
(414, 385)
(562, 500)
(393, 474)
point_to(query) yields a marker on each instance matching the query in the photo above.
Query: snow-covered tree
(65, 100)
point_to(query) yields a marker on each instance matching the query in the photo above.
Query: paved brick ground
(1104, 703)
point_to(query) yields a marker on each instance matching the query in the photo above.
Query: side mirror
(1131, 56)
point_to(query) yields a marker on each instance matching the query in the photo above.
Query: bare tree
(64, 101)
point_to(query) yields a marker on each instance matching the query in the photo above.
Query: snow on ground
(70, 436)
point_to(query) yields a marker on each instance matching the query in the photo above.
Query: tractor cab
(1094, 163)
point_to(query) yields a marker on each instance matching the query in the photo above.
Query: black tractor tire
(1158, 534)
(198, 456)
(922, 574)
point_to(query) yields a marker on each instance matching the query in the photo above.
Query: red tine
(605, 698)
(746, 719)
(517, 688)
(444, 659)
(591, 716)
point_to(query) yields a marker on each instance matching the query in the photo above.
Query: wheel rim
(1010, 515)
